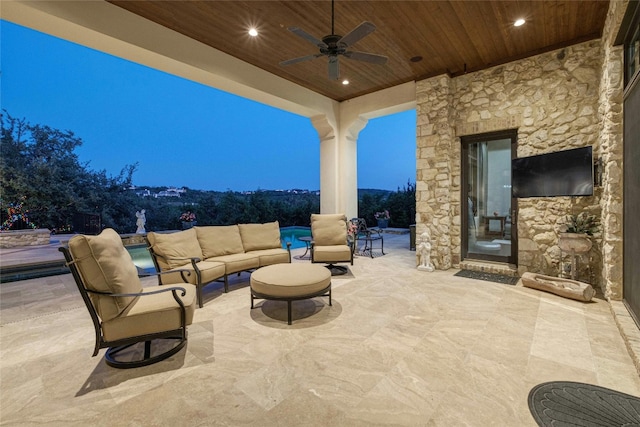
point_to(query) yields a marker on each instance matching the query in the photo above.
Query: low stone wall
(133, 239)
(14, 238)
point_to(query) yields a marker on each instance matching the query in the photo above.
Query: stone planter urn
(188, 224)
(575, 243)
(383, 223)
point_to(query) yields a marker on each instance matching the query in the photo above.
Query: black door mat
(488, 277)
(566, 403)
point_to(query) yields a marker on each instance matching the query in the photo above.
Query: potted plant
(382, 218)
(577, 236)
(188, 220)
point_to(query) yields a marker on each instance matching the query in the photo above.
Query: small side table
(372, 235)
(307, 241)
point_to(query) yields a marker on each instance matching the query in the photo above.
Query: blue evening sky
(181, 133)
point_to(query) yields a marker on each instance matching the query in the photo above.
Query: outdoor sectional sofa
(201, 255)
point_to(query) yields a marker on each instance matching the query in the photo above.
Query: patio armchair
(330, 244)
(366, 234)
(125, 315)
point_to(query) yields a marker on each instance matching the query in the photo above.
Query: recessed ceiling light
(253, 32)
(518, 22)
(416, 59)
(345, 82)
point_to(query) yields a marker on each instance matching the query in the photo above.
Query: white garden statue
(141, 221)
(424, 249)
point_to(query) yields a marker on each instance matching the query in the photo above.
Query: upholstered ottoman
(290, 282)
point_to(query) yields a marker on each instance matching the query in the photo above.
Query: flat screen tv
(563, 173)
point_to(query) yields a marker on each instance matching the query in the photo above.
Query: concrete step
(490, 267)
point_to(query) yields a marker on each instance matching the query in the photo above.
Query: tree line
(45, 185)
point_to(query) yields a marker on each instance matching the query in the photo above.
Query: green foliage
(39, 167)
(369, 204)
(582, 223)
(401, 206)
(213, 208)
(161, 213)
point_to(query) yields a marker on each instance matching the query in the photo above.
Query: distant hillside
(372, 192)
(164, 205)
(188, 194)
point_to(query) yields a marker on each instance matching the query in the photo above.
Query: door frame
(628, 38)
(465, 141)
(631, 201)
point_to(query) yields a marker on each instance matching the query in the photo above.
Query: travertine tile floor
(399, 347)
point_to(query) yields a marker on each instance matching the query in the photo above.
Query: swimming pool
(142, 258)
(291, 234)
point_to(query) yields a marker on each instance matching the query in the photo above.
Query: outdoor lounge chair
(123, 313)
(330, 243)
(368, 235)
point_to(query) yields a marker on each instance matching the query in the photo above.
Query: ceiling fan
(333, 45)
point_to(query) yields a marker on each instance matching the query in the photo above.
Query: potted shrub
(383, 218)
(579, 229)
(188, 220)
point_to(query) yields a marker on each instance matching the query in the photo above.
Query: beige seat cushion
(272, 256)
(260, 236)
(335, 253)
(105, 266)
(150, 314)
(175, 247)
(209, 271)
(219, 240)
(329, 229)
(290, 280)
(238, 262)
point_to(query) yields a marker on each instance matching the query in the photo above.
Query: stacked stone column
(438, 171)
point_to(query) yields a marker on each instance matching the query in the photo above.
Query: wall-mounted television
(563, 173)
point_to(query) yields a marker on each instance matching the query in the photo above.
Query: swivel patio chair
(330, 244)
(366, 234)
(125, 314)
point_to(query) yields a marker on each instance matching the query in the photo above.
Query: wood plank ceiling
(451, 36)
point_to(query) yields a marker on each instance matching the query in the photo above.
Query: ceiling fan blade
(366, 57)
(300, 59)
(357, 33)
(334, 68)
(308, 37)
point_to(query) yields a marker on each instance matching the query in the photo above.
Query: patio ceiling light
(519, 22)
(253, 32)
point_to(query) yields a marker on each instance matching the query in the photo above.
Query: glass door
(488, 225)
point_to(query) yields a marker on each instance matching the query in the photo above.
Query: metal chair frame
(326, 292)
(116, 346)
(369, 235)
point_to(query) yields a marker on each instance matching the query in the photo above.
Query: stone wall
(15, 238)
(611, 152)
(553, 101)
(438, 172)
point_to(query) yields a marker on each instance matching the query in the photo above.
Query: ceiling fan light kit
(333, 45)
